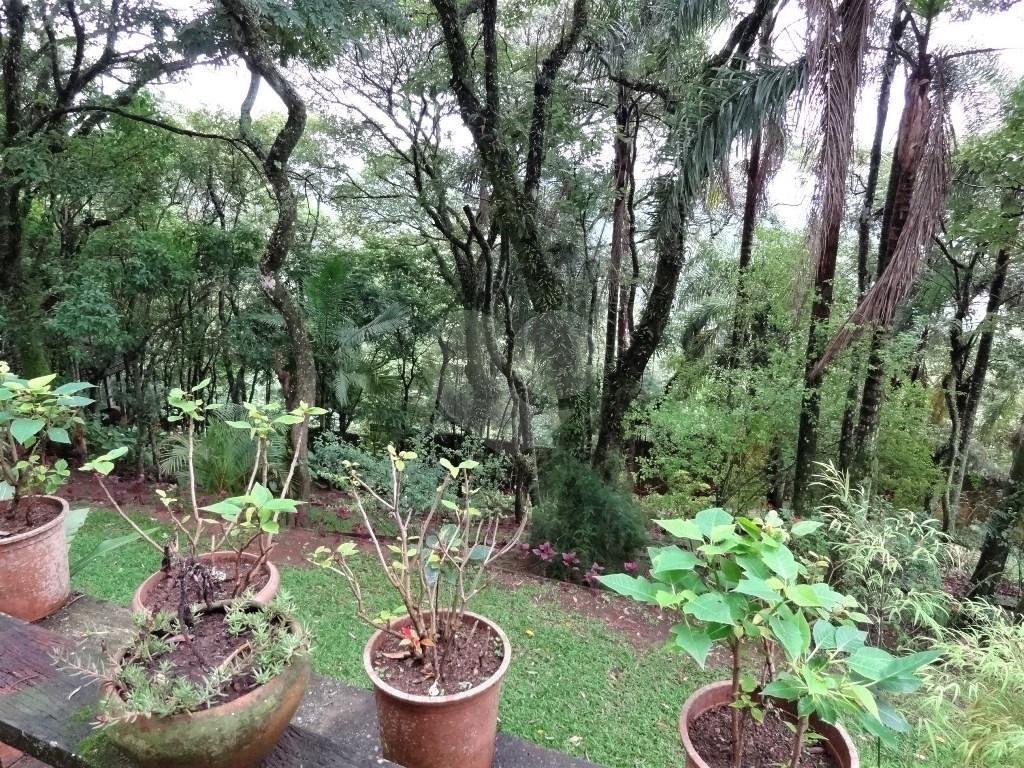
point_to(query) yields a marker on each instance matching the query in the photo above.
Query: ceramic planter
(836, 740)
(34, 576)
(262, 597)
(451, 731)
(238, 734)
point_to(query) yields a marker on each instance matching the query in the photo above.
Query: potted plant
(214, 688)
(34, 576)
(436, 668)
(224, 554)
(736, 582)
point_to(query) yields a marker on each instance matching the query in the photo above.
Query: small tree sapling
(437, 563)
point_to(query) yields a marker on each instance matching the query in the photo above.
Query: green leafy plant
(438, 562)
(735, 580)
(34, 414)
(243, 523)
(975, 697)
(147, 682)
(889, 559)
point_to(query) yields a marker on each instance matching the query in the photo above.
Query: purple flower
(630, 567)
(569, 560)
(590, 577)
(545, 552)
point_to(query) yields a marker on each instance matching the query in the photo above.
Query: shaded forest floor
(590, 673)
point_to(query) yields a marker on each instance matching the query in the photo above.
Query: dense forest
(645, 257)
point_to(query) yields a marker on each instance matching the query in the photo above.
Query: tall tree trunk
(906, 157)
(620, 180)
(900, 18)
(996, 548)
(976, 383)
(740, 333)
(252, 47)
(838, 75)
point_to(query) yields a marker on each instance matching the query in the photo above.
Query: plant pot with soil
(35, 417)
(437, 669)
(215, 689)
(220, 551)
(735, 581)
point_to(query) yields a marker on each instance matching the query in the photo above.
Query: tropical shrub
(581, 514)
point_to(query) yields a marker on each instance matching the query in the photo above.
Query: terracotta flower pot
(34, 576)
(451, 731)
(238, 734)
(141, 597)
(837, 741)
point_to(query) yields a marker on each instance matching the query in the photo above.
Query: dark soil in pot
(165, 594)
(766, 745)
(32, 512)
(209, 646)
(465, 661)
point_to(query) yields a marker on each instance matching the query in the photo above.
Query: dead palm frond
(931, 187)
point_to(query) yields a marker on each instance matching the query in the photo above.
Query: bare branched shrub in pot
(437, 669)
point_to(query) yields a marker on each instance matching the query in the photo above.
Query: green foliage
(889, 559)
(149, 683)
(582, 514)
(976, 697)
(33, 414)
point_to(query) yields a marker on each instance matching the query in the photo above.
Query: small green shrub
(581, 514)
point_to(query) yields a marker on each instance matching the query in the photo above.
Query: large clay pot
(837, 741)
(454, 731)
(238, 734)
(264, 596)
(34, 576)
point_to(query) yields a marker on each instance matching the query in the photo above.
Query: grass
(574, 685)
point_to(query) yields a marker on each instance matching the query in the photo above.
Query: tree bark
(253, 49)
(996, 548)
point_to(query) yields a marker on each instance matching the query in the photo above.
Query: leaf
(635, 587)
(870, 663)
(239, 424)
(786, 687)
(673, 558)
(288, 419)
(58, 435)
(74, 401)
(72, 387)
(805, 527)
(452, 469)
(849, 638)
(865, 699)
(681, 529)
(694, 640)
(824, 634)
(711, 606)
(782, 562)
(105, 547)
(814, 596)
(24, 430)
(758, 588)
(73, 521)
(201, 385)
(792, 632)
(709, 519)
(40, 381)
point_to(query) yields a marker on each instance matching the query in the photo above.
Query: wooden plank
(48, 713)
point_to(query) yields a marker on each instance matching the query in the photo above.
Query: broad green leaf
(814, 596)
(782, 562)
(74, 401)
(711, 606)
(73, 521)
(105, 547)
(865, 699)
(805, 527)
(792, 632)
(24, 430)
(636, 587)
(891, 718)
(673, 559)
(6, 491)
(288, 419)
(709, 519)
(40, 381)
(694, 640)
(785, 687)
(58, 435)
(870, 663)
(224, 509)
(758, 588)
(72, 387)
(682, 529)
(824, 634)
(239, 424)
(849, 638)
(201, 385)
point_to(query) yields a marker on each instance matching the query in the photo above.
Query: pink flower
(630, 567)
(590, 578)
(569, 560)
(545, 552)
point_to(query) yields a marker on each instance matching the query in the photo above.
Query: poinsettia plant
(438, 561)
(34, 414)
(734, 581)
(246, 523)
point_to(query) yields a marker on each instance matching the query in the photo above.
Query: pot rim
(450, 698)
(41, 529)
(297, 663)
(691, 752)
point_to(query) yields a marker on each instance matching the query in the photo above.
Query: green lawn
(573, 685)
